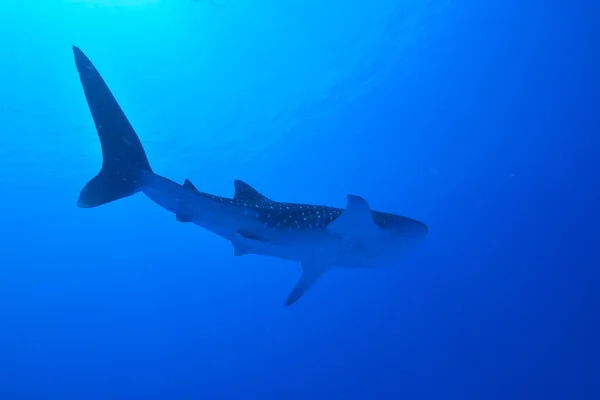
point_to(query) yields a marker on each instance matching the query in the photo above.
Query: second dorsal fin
(182, 217)
(189, 185)
(245, 192)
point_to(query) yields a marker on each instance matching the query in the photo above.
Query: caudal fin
(123, 157)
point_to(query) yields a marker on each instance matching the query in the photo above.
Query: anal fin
(189, 185)
(310, 274)
(239, 250)
(183, 218)
(250, 235)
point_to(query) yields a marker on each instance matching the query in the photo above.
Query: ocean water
(480, 119)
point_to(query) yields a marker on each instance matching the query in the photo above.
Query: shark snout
(411, 231)
(422, 229)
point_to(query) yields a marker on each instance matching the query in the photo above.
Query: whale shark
(318, 237)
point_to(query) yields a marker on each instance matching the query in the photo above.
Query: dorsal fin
(356, 220)
(245, 192)
(189, 185)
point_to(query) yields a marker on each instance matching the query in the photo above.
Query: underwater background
(480, 119)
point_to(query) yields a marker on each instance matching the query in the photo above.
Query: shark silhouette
(319, 237)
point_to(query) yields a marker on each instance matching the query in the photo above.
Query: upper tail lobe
(123, 157)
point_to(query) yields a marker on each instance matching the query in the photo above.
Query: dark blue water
(479, 118)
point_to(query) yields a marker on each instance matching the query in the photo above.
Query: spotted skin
(275, 215)
(291, 216)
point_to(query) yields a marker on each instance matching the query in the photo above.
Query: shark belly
(305, 246)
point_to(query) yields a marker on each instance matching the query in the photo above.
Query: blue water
(480, 119)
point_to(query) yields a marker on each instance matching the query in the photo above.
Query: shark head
(373, 238)
(406, 235)
(401, 228)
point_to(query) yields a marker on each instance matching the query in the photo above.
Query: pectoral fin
(310, 274)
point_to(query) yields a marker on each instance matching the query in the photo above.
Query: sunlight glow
(116, 3)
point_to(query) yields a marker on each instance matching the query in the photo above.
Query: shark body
(319, 237)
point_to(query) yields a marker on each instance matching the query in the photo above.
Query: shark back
(277, 216)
